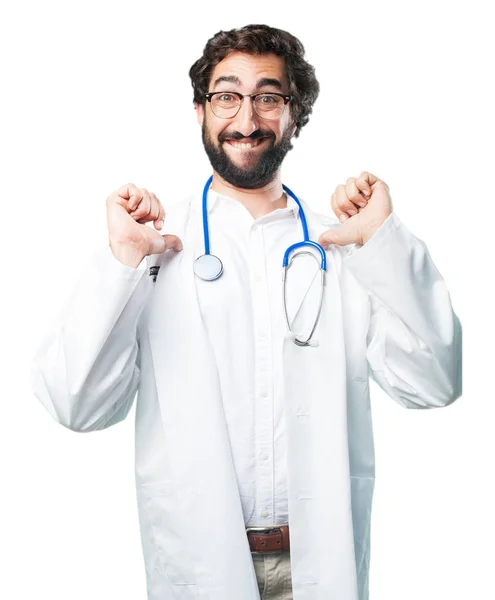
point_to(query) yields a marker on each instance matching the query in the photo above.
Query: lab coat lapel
(202, 470)
(320, 519)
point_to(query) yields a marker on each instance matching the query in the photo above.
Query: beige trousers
(274, 575)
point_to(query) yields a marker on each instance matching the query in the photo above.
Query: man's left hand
(361, 205)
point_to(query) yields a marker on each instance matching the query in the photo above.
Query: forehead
(249, 68)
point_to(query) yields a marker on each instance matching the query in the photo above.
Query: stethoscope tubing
(215, 269)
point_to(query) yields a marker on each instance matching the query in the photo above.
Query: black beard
(261, 173)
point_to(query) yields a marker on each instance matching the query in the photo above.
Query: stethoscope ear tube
(306, 243)
(290, 334)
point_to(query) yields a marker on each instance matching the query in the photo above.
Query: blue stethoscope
(209, 267)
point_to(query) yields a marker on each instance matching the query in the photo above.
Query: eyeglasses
(268, 105)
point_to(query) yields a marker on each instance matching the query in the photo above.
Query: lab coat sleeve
(414, 340)
(86, 370)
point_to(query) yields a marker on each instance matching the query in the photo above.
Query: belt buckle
(267, 529)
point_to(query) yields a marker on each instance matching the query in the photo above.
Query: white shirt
(244, 316)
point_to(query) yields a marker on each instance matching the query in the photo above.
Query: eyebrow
(260, 83)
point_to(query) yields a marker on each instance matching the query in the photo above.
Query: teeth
(244, 146)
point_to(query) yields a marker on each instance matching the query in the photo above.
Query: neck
(258, 202)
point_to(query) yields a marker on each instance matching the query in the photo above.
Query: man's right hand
(128, 210)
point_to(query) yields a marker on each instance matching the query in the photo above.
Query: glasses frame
(286, 99)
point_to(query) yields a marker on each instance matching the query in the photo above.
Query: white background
(87, 106)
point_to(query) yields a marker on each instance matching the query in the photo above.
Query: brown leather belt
(265, 540)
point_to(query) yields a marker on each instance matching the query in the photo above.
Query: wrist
(127, 254)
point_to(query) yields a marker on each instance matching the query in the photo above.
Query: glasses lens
(225, 105)
(269, 106)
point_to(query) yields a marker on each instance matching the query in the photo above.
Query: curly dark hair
(261, 39)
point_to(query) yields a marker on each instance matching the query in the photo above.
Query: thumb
(172, 241)
(341, 235)
(160, 243)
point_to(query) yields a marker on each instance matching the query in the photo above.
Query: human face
(255, 167)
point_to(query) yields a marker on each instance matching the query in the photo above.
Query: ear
(200, 113)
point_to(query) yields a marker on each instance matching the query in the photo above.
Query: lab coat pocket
(162, 507)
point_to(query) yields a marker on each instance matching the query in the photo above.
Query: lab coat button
(264, 513)
(264, 456)
(264, 394)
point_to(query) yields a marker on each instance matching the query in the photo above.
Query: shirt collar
(214, 198)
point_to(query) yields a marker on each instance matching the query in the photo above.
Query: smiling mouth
(247, 145)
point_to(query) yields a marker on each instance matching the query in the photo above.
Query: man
(240, 424)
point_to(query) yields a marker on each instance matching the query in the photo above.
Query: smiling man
(247, 136)
(254, 445)
(247, 104)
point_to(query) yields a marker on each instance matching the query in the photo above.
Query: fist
(128, 210)
(362, 205)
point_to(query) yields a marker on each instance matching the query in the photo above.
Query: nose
(247, 120)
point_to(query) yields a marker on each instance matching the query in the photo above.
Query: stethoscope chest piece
(208, 267)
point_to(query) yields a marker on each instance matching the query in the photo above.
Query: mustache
(257, 135)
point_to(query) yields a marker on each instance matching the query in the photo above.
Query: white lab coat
(386, 314)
